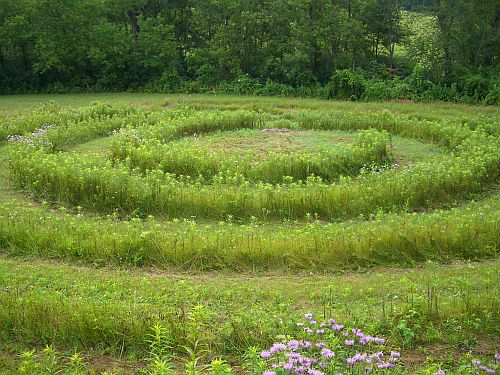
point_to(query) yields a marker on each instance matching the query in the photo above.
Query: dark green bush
(347, 84)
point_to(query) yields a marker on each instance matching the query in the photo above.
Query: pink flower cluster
(315, 356)
(37, 138)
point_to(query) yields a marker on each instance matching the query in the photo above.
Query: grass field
(194, 234)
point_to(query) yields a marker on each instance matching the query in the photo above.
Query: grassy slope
(62, 299)
(422, 110)
(243, 310)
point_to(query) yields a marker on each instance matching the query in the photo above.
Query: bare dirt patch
(285, 132)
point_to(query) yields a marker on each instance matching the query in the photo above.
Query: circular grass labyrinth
(244, 190)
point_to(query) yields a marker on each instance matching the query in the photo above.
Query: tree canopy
(200, 45)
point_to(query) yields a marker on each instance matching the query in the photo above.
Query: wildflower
(440, 372)
(349, 342)
(269, 373)
(293, 345)
(265, 354)
(276, 348)
(314, 372)
(351, 361)
(288, 366)
(305, 344)
(327, 353)
(385, 365)
(308, 316)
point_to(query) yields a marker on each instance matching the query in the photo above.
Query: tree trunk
(132, 16)
(444, 23)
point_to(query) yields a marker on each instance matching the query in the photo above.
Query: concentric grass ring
(101, 185)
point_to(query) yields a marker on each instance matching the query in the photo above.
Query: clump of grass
(51, 114)
(369, 148)
(104, 187)
(471, 232)
(114, 311)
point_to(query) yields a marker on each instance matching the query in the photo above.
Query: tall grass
(114, 311)
(99, 185)
(369, 148)
(471, 232)
(53, 114)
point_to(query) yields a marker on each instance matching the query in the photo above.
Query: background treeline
(347, 49)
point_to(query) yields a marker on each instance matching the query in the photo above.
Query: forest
(333, 49)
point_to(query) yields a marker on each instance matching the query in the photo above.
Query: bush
(347, 84)
(475, 87)
(379, 90)
(273, 88)
(493, 97)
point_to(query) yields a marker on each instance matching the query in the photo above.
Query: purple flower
(327, 353)
(293, 345)
(268, 373)
(266, 354)
(308, 316)
(440, 372)
(349, 342)
(305, 344)
(338, 327)
(277, 347)
(384, 365)
(288, 366)
(320, 345)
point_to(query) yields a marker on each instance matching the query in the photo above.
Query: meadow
(198, 234)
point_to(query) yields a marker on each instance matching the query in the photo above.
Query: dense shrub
(347, 84)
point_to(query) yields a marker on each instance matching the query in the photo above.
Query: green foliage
(117, 188)
(113, 310)
(137, 188)
(317, 48)
(49, 361)
(346, 84)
